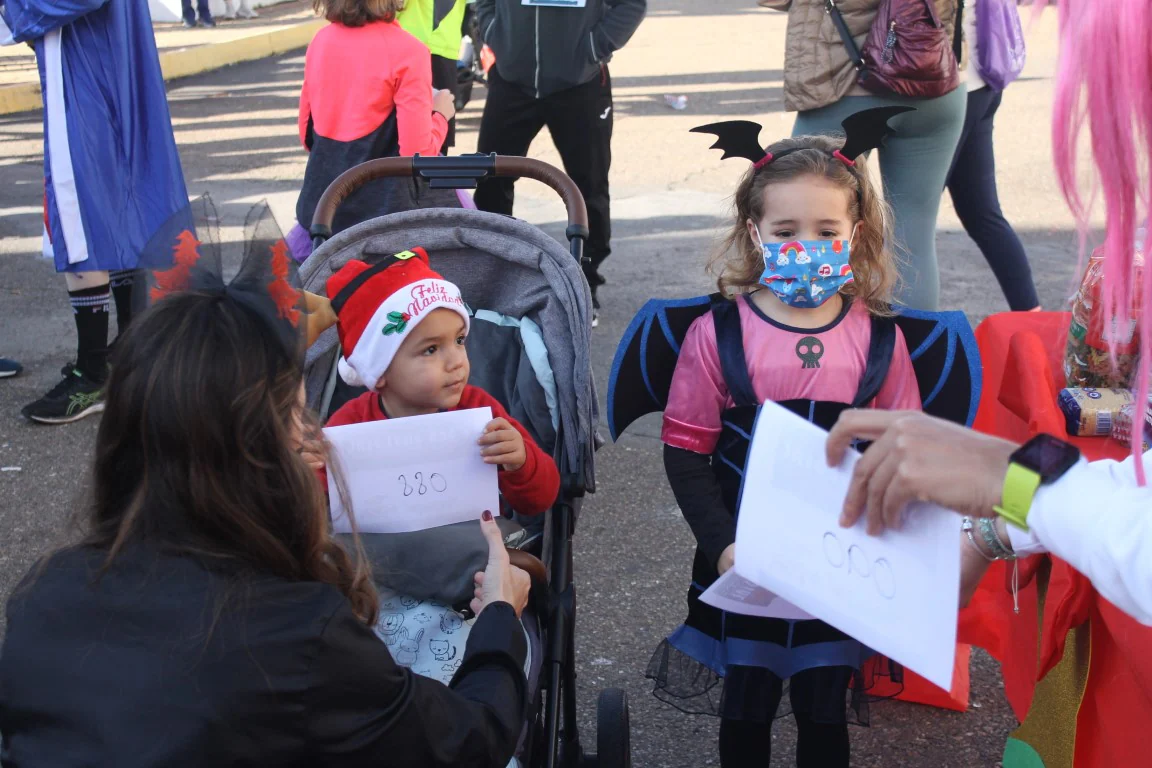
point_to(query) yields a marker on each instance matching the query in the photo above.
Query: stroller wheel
(613, 733)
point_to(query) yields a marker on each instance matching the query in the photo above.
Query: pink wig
(1105, 82)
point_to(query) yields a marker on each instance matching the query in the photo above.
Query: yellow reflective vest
(444, 38)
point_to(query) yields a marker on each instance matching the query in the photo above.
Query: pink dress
(784, 364)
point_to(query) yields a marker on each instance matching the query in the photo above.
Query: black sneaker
(595, 310)
(207, 22)
(189, 24)
(75, 397)
(9, 368)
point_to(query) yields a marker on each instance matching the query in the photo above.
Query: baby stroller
(529, 348)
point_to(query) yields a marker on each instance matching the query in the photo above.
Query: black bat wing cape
(941, 344)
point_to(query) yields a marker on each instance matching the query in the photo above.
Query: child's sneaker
(75, 397)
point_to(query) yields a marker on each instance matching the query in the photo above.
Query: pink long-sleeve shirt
(354, 77)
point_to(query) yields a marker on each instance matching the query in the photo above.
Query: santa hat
(378, 305)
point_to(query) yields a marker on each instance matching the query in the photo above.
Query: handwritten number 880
(436, 483)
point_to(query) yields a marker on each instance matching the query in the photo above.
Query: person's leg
(80, 392)
(818, 699)
(444, 78)
(745, 744)
(205, 13)
(977, 202)
(580, 121)
(972, 115)
(914, 165)
(188, 12)
(511, 120)
(748, 743)
(130, 292)
(90, 296)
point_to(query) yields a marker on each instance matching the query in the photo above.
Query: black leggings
(748, 743)
(972, 184)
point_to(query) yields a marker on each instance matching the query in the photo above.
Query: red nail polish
(486, 516)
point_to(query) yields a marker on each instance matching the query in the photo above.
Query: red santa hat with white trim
(378, 305)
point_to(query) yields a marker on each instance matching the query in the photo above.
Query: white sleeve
(1099, 521)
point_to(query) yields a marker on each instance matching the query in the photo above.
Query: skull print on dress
(810, 349)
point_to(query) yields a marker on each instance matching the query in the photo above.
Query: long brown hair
(196, 452)
(738, 262)
(357, 13)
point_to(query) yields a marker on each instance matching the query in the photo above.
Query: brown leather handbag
(907, 51)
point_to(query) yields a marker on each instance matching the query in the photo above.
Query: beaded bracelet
(997, 547)
(967, 527)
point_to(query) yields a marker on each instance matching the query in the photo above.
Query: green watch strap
(1020, 486)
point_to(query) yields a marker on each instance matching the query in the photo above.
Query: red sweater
(530, 490)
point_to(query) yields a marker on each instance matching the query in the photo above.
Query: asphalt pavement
(237, 133)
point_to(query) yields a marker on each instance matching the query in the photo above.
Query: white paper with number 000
(413, 473)
(898, 593)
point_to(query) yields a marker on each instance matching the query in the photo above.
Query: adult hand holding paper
(897, 593)
(413, 473)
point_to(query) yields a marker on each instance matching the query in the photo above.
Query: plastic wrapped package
(1091, 412)
(1122, 426)
(1102, 353)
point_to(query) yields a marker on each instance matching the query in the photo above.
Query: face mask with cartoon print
(806, 273)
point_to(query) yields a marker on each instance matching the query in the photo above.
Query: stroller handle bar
(458, 172)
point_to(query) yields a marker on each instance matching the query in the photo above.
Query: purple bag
(999, 42)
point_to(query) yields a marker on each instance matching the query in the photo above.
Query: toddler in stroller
(402, 330)
(528, 317)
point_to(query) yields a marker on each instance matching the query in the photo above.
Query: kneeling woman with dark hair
(208, 618)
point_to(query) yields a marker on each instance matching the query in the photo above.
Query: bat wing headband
(863, 131)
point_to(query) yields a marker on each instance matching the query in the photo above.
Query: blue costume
(114, 191)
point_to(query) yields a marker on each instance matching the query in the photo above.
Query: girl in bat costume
(808, 325)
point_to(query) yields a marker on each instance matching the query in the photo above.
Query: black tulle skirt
(831, 694)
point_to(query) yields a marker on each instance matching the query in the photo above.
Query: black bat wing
(738, 138)
(947, 362)
(866, 130)
(646, 359)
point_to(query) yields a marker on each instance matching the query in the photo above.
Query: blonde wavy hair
(738, 262)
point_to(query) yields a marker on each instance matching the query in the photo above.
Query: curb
(182, 62)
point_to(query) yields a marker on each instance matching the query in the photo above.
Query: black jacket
(163, 662)
(544, 50)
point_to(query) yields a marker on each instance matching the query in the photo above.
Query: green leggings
(914, 165)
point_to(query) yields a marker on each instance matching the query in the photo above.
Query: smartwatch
(1042, 460)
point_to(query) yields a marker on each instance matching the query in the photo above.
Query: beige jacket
(817, 69)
